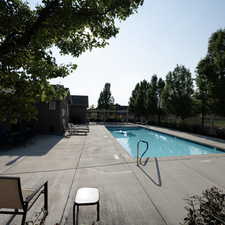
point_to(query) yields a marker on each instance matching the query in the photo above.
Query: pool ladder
(138, 151)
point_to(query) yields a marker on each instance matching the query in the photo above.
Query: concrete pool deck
(150, 195)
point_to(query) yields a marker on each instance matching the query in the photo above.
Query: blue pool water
(160, 144)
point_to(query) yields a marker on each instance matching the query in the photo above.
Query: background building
(78, 109)
(53, 117)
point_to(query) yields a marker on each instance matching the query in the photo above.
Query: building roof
(79, 100)
(121, 107)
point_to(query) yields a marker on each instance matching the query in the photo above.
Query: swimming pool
(160, 145)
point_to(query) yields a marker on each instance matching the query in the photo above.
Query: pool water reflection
(160, 144)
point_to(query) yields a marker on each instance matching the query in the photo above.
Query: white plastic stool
(85, 196)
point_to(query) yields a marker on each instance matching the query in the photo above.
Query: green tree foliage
(202, 93)
(106, 99)
(160, 88)
(132, 100)
(151, 100)
(26, 37)
(137, 102)
(177, 95)
(145, 99)
(212, 69)
(154, 95)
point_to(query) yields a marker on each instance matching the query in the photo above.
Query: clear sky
(161, 35)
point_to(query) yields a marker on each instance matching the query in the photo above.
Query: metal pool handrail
(138, 144)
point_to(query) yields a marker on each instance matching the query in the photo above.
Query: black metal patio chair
(17, 201)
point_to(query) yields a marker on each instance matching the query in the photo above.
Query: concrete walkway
(149, 195)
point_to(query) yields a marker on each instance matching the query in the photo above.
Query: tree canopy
(177, 96)
(212, 70)
(154, 95)
(145, 99)
(203, 93)
(137, 102)
(26, 38)
(106, 99)
(151, 100)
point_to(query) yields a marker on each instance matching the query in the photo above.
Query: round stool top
(87, 196)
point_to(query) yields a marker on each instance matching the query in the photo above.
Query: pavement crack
(73, 180)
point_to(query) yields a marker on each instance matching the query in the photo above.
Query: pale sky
(161, 35)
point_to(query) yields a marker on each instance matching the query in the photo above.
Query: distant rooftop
(121, 107)
(79, 100)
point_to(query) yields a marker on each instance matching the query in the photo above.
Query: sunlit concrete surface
(129, 195)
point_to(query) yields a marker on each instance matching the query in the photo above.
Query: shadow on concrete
(145, 162)
(13, 161)
(10, 220)
(39, 145)
(159, 180)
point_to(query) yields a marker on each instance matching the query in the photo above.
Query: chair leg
(77, 216)
(98, 211)
(24, 215)
(74, 208)
(46, 197)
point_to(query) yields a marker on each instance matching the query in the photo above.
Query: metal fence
(213, 125)
(108, 115)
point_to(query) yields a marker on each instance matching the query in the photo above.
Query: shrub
(207, 209)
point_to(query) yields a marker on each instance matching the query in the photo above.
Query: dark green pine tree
(106, 99)
(137, 102)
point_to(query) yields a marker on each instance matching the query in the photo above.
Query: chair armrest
(35, 190)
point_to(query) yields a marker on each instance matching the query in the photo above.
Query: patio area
(150, 195)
